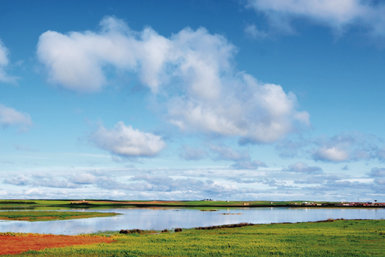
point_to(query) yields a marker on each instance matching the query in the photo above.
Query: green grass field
(70, 204)
(50, 215)
(338, 238)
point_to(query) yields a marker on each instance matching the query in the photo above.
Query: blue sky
(248, 99)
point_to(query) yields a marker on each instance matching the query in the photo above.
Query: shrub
(130, 231)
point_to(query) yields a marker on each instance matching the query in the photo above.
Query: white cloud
(227, 153)
(333, 154)
(241, 159)
(334, 12)
(337, 14)
(3, 55)
(40, 181)
(76, 60)
(193, 154)
(248, 165)
(125, 141)
(200, 183)
(4, 61)
(191, 70)
(303, 168)
(10, 116)
(84, 179)
(252, 31)
(378, 175)
(254, 111)
(349, 147)
(380, 154)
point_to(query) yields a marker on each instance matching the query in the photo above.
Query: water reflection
(169, 218)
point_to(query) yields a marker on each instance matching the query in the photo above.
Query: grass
(337, 238)
(50, 215)
(70, 204)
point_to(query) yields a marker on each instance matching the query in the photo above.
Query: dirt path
(18, 243)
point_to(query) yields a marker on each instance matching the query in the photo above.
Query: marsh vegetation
(333, 238)
(51, 215)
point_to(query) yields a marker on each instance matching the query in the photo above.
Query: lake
(169, 218)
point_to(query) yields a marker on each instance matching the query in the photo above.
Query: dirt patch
(18, 243)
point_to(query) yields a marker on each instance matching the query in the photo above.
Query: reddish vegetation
(18, 243)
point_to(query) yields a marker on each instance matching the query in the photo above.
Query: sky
(194, 99)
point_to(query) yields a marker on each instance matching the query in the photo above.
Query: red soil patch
(15, 244)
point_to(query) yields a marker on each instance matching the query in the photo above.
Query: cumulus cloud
(301, 167)
(378, 175)
(193, 154)
(226, 153)
(77, 60)
(200, 183)
(20, 180)
(380, 153)
(169, 184)
(259, 112)
(241, 159)
(248, 165)
(140, 184)
(377, 172)
(344, 147)
(348, 147)
(126, 141)
(252, 31)
(333, 154)
(40, 181)
(192, 71)
(291, 147)
(337, 14)
(4, 61)
(10, 117)
(84, 179)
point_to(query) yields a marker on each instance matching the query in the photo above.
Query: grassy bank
(50, 215)
(70, 204)
(65, 204)
(337, 238)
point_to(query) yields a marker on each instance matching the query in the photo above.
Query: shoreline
(180, 229)
(90, 204)
(336, 237)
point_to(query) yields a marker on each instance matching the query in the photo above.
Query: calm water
(158, 219)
